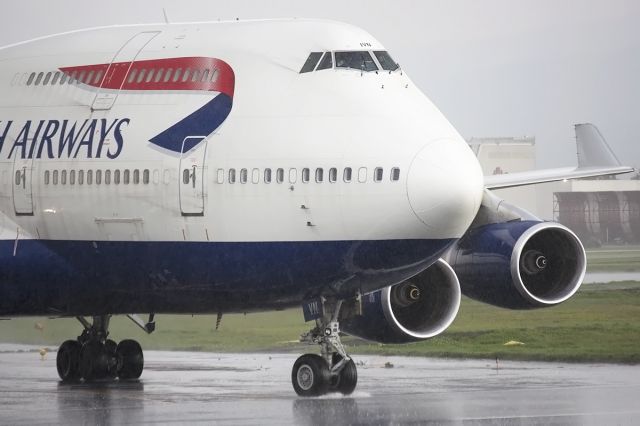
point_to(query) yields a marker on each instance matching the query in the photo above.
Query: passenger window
(346, 176)
(80, 177)
(361, 61)
(177, 74)
(333, 175)
(98, 177)
(232, 175)
(132, 75)
(186, 74)
(395, 174)
(56, 76)
(267, 175)
(159, 75)
(377, 174)
(385, 60)
(319, 175)
(305, 175)
(18, 177)
(107, 177)
(31, 77)
(125, 176)
(81, 76)
(89, 177)
(72, 177)
(46, 79)
(136, 177)
(116, 177)
(145, 176)
(98, 78)
(46, 177)
(326, 62)
(55, 177)
(205, 75)
(143, 72)
(310, 63)
(280, 175)
(243, 175)
(167, 75)
(255, 176)
(90, 77)
(150, 75)
(156, 177)
(362, 174)
(63, 78)
(214, 76)
(63, 177)
(293, 175)
(39, 78)
(220, 177)
(72, 77)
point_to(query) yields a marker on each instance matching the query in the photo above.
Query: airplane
(247, 166)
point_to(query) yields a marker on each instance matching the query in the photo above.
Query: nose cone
(444, 186)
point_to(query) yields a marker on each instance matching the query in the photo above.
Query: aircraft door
(119, 68)
(192, 186)
(23, 186)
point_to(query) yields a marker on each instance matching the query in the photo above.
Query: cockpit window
(326, 62)
(357, 60)
(311, 62)
(385, 60)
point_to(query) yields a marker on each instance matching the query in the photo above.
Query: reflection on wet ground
(182, 387)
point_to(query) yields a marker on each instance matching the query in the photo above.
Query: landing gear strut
(333, 370)
(93, 356)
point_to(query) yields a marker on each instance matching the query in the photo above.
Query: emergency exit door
(23, 186)
(192, 187)
(119, 69)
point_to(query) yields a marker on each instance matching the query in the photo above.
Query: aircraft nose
(445, 186)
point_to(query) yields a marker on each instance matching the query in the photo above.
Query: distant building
(599, 211)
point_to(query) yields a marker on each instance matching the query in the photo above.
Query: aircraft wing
(595, 158)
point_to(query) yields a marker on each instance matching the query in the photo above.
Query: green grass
(614, 259)
(600, 323)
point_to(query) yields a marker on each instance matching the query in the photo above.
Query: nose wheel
(333, 370)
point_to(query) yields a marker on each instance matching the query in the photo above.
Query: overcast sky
(494, 68)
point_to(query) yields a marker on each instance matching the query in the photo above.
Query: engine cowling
(520, 264)
(416, 309)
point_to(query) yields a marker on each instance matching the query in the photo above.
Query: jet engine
(519, 264)
(416, 309)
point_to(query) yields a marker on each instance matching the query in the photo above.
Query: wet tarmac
(255, 389)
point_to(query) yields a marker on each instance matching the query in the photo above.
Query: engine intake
(416, 309)
(522, 264)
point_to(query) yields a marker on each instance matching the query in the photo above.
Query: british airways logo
(90, 138)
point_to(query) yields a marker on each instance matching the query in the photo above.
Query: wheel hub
(305, 377)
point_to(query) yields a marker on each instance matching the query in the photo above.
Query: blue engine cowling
(519, 264)
(416, 309)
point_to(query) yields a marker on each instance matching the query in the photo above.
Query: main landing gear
(333, 370)
(93, 356)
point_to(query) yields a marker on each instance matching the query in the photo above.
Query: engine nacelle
(520, 264)
(416, 309)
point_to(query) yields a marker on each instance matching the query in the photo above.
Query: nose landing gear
(333, 370)
(95, 357)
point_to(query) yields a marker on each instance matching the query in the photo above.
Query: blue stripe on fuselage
(86, 278)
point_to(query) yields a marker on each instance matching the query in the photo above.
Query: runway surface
(255, 389)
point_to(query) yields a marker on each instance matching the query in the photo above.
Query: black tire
(310, 376)
(94, 361)
(130, 360)
(110, 348)
(344, 382)
(68, 361)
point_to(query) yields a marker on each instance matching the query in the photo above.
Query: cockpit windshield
(385, 60)
(361, 61)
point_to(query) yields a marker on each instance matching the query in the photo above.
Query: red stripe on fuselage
(202, 73)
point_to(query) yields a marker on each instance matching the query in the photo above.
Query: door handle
(193, 176)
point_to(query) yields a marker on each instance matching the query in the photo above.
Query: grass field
(614, 259)
(600, 323)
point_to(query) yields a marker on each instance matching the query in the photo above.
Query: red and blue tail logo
(172, 74)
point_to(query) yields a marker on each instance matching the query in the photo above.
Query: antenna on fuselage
(166, 18)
